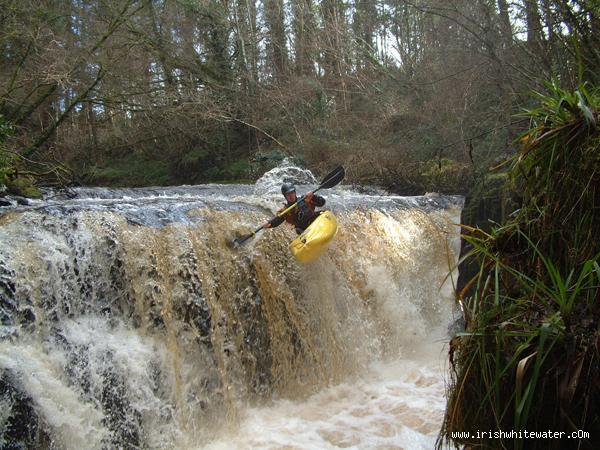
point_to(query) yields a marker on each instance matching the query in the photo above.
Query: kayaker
(302, 215)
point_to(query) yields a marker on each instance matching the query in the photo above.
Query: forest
(412, 95)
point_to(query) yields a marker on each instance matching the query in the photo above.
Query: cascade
(128, 321)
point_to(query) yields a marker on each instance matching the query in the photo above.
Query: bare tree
(304, 31)
(277, 48)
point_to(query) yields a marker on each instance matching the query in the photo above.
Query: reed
(528, 359)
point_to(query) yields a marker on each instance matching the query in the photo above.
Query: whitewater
(128, 321)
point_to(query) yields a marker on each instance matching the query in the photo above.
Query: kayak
(315, 239)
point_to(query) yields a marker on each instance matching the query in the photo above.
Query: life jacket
(302, 215)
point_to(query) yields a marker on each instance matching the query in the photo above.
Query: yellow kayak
(315, 239)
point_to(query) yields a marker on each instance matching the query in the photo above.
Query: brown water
(128, 321)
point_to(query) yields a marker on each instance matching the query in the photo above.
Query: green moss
(444, 175)
(6, 168)
(23, 187)
(6, 160)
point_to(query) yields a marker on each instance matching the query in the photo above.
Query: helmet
(287, 187)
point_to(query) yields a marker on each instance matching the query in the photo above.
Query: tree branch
(30, 151)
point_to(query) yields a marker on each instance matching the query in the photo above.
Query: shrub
(529, 357)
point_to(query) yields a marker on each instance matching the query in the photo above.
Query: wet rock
(23, 187)
(22, 426)
(22, 201)
(7, 294)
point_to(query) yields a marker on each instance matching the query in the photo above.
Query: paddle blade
(333, 178)
(238, 241)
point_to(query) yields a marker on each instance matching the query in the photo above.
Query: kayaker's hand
(308, 197)
(266, 225)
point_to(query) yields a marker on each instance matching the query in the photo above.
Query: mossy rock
(444, 175)
(23, 187)
(489, 200)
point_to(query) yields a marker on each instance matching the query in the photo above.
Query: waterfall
(129, 322)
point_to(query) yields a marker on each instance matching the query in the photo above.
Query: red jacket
(302, 215)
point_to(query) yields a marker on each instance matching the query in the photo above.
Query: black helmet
(287, 187)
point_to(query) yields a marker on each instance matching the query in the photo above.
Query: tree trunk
(304, 29)
(505, 26)
(364, 29)
(274, 15)
(162, 53)
(534, 27)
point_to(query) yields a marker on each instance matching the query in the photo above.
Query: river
(129, 322)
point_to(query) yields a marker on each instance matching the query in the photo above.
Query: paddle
(331, 179)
